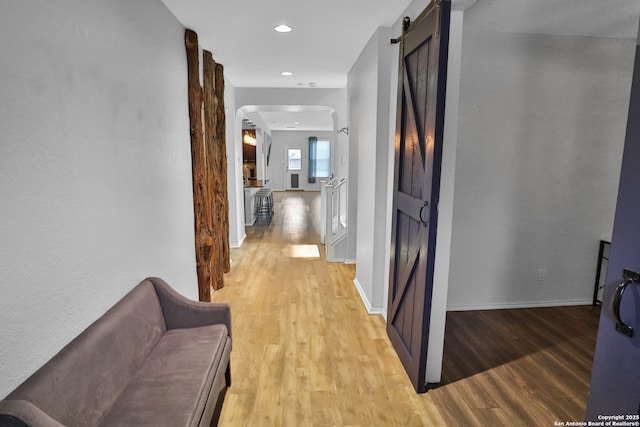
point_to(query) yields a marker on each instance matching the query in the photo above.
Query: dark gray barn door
(418, 154)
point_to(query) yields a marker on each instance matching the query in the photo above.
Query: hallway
(99, 194)
(305, 351)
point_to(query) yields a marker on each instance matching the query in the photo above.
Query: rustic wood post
(221, 142)
(201, 196)
(213, 167)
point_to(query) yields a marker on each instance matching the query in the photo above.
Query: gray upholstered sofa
(155, 358)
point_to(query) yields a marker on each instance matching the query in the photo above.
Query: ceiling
(290, 117)
(328, 36)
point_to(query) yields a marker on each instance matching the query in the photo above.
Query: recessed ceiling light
(296, 123)
(283, 28)
(286, 73)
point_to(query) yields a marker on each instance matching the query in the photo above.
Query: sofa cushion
(172, 387)
(79, 385)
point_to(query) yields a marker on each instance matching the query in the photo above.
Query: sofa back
(78, 386)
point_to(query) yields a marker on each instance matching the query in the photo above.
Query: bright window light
(283, 28)
(295, 159)
(323, 159)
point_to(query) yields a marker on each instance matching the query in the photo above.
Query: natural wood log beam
(221, 143)
(213, 168)
(204, 242)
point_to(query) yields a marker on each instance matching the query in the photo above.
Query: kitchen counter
(251, 187)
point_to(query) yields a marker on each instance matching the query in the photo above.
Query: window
(323, 159)
(294, 156)
(319, 159)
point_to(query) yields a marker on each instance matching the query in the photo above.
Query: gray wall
(540, 132)
(369, 145)
(541, 129)
(95, 168)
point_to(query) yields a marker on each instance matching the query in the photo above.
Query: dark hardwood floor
(532, 365)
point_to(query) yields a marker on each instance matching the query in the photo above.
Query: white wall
(237, 233)
(277, 164)
(369, 99)
(95, 167)
(261, 159)
(542, 122)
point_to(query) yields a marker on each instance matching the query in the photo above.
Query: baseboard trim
(365, 300)
(363, 296)
(513, 305)
(237, 245)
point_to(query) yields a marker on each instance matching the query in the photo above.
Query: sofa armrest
(181, 312)
(24, 413)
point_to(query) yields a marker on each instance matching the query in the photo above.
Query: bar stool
(264, 206)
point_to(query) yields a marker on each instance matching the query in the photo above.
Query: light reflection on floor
(301, 251)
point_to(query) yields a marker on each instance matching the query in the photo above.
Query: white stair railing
(336, 220)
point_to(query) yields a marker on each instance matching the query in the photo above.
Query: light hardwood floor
(306, 352)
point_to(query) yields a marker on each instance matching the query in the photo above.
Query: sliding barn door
(418, 154)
